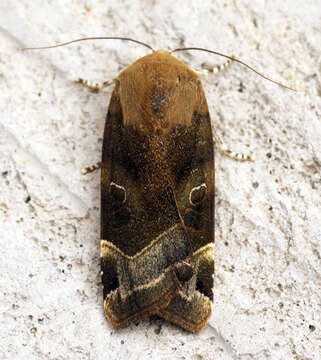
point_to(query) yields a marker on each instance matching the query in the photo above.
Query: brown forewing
(157, 196)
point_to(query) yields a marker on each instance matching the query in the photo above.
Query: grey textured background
(268, 263)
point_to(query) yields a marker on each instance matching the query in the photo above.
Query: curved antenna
(91, 38)
(233, 58)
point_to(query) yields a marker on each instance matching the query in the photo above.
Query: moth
(157, 194)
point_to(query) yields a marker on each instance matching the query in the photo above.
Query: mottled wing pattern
(157, 194)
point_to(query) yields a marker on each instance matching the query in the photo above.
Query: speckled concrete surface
(268, 285)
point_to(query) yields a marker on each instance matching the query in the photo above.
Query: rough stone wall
(267, 284)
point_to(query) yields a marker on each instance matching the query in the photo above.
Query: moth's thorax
(159, 97)
(157, 92)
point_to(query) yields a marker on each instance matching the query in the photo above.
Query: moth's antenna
(233, 58)
(91, 38)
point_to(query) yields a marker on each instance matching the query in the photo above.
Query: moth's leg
(91, 168)
(94, 86)
(215, 69)
(221, 147)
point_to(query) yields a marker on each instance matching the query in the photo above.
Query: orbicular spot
(184, 271)
(193, 219)
(118, 193)
(120, 218)
(197, 194)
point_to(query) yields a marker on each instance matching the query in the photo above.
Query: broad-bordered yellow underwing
(157, 193)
